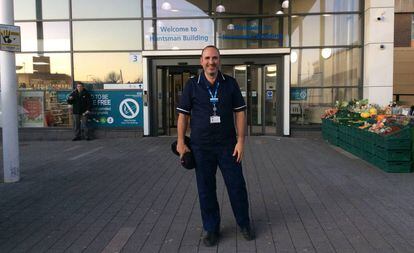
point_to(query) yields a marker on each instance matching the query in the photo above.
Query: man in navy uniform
(211, 101)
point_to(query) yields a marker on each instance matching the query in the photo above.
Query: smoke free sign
(117, 108)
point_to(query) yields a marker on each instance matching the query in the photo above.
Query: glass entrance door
(270, 98)
(171, 81)
(258, 84)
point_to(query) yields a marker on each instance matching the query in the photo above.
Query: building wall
(101, 41)
(378, 51)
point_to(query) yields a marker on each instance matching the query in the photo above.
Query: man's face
(79, 87)
(210, 61)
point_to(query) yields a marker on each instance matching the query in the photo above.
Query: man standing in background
(81, 102)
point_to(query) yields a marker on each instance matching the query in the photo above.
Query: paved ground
(130, 195)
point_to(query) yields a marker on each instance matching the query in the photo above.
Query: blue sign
(298, 94)
(117, 108)
(269, 94)
(62, 95)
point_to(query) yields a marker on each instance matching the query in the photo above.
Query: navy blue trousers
(207, 159)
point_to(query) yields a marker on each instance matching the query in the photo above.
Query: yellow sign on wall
(10, 38)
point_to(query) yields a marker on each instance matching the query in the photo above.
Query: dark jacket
(81, 102)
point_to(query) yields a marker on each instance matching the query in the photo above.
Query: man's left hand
(238, 151)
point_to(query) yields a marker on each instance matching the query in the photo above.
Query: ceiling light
(230, 27)
(241, 68)
(271, 74)
(175, 48)
(293, 57)
(175, 10)
(271, 68)
(279, 13)
(166, 6)
(285, 4)
(326, 53)
(220, 8)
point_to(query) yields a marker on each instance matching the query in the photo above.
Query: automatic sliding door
(162, 112)
(255, 100)
(270, 98)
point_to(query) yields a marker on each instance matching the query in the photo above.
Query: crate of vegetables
(394, 155)
(394, 166)
(396, 139)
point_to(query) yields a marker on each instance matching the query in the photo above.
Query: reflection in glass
(106, 8)
(100, 68)
(28, 36)
(48, 9)
(55, 36)
(317, 100)
(107, 35)
(306, 6)
(252, 33)
(178, 34)
(235, 8)
(55, 9)
(43, 72)
(323, 30)
(24, 9)
(176, 8)
(271, 7)
(342, 68)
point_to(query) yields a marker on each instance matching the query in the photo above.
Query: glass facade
(100, 42)
(404, 52)
(105, 9)
(326, 57)
(106, 35)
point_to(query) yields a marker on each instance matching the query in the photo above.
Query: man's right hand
(182, 148)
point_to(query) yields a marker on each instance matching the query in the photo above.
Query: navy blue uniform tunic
(213, 145)
(195, 101)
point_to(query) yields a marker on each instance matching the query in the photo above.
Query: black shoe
(247, 233)
(211, 239)
(76, 139)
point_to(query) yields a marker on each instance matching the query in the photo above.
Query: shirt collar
(202, 77)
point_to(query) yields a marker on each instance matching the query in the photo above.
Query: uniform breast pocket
(225, 102)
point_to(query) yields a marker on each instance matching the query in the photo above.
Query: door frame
(154, 59)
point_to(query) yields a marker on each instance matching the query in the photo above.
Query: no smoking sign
(129, 108)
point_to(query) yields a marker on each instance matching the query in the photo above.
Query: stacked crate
(391, 152)
(330, 131)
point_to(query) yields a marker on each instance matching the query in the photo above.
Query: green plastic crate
(394, 155)
(398, 140)
(394, 167)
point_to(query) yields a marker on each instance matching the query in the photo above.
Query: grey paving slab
(131, 195)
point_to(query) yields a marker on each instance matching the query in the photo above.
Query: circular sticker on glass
(129, 108)
(110, 120)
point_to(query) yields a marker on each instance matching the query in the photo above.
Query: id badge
(214, 119)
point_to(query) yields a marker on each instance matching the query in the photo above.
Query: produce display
(379, 135)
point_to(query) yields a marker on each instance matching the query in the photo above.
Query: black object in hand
(187, 161)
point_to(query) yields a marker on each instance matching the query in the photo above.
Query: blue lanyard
(213, 99)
